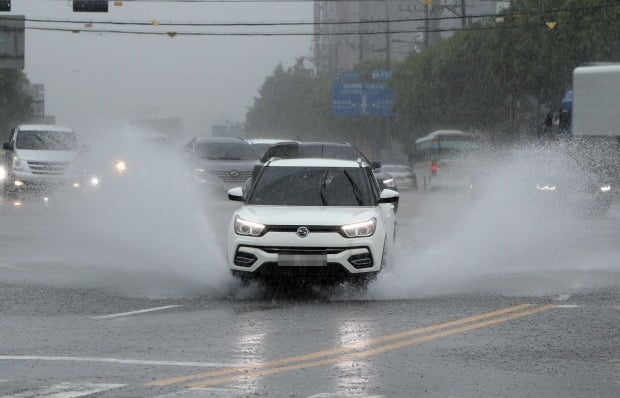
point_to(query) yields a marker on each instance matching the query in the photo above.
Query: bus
(445, 158)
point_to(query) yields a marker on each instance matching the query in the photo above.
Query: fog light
(360, 261)
(245, 259)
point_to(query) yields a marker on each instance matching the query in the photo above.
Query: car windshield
(47, 140)
(312, 186)
(225, 151)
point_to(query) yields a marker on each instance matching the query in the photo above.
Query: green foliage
(493, 77)
(14, 101)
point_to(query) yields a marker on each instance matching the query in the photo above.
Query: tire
(362, 281)
(242, 277)
(8, 191)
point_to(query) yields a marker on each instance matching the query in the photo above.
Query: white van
(41, 156)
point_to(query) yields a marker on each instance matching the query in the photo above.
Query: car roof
(44, 127)
(326, 143)
(220, 140)
(314, 162)
(268, 140)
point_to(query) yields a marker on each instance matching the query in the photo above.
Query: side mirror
(389, 196)
(235, 194)
(6, 146)
(375, 164)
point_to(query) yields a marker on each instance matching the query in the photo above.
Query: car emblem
(234, 173)
(302, 232)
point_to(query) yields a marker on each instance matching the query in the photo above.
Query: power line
(246, 34)
(311, 23)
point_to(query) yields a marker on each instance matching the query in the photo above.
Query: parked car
(219, 162)
(311, 220)
(41, 157)
(403, 175)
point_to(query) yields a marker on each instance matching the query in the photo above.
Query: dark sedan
(332, 150)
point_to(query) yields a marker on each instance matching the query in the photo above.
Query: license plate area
(302, 260)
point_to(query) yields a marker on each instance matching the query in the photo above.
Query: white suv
(315, 220)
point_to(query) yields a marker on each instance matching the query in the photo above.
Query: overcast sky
(92, 80)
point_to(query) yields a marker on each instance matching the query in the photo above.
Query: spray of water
(148, 232)
(504, 240)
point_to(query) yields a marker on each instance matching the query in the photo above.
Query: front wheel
(8, 191)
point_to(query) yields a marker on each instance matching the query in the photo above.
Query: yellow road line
(337, 350)
(371, 352)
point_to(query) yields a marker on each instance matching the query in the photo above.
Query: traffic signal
(90, 5)
(5, 5)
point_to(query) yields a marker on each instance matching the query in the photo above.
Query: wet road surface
(120, 303)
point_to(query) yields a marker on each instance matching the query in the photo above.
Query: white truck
(595, 119)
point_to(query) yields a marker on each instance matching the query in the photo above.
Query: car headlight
(120, 167)
(248, 228)
(389, 183)
(18, 164)
(94, 181)
(360, 229)
(545, 187)
(606, 188)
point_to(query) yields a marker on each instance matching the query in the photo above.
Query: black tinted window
(47, 140)
(312, 186)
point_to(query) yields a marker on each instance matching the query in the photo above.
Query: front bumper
(321, 254)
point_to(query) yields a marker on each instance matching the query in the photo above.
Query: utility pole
(463, 13)
(427, 5)
(387, 36)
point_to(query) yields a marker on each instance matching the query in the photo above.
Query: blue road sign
(381, 74)
(361, 99)
(346, 76)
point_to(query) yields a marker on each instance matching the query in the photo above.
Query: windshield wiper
(356, 190)
(323, 186)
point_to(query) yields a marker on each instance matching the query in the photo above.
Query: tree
(14, 101)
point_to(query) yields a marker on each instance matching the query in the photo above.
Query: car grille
(48, 168)
(303, 250)
(233, 175)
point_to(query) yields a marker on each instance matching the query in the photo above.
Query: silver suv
(221, 163)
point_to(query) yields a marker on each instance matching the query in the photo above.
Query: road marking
(166, 307)
(67, 390)
(374, 351)
(562, 297)
(117, 360)
(203, 392)
(337, 395)
(340, 349)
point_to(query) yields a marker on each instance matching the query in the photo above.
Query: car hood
(310, 215)
(46, 156)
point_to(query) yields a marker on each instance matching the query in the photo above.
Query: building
(350, 32)
(37, 93)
